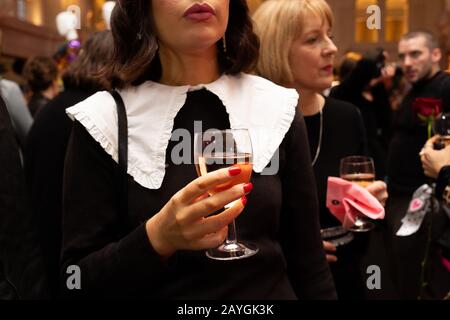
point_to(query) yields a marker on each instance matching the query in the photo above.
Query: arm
(300, 229)
(20, 115)
(21, 263)
(114, 266)
(433, 160)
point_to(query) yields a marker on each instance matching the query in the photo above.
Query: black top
(280, 217)
(343, 135)
(44, 165)
(373, 111)
(37, 102)
(410, 134)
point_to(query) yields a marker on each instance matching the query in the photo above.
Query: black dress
(405, 175)
(44, 165)
(343, 135)
(280, 217)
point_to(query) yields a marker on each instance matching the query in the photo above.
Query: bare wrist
(155, 239)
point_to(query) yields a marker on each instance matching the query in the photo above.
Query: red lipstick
(199, 12)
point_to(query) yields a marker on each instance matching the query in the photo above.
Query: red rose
(427, 107)
(427, 110)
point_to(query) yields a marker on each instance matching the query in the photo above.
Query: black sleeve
(22, 272)
(109, 266)
(362, 133)
(446, 94)
(300, 229)
(442, 181)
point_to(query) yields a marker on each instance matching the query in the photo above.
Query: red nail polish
(234, 171)
(248, 187)
(244, 200)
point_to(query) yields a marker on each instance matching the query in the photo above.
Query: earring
(224, 43)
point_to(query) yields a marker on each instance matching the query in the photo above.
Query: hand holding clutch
(347, 200)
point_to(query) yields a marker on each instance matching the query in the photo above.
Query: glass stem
(231, 236)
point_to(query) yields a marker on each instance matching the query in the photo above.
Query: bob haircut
(85, 71)
(135, 58)
(278, 23)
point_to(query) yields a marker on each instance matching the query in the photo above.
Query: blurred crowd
(367, 103)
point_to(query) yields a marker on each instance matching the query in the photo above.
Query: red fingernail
(234, 171)
(244, 200)
(248, 187)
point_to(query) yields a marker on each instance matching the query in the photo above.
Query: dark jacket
(44, 165)
(37, 102)
(21, 262)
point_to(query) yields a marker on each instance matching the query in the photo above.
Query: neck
(433, 71)
(429, 76)
(188, 69)
(310, 102)
(49, 93)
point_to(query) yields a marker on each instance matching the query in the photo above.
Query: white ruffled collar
(266, 109)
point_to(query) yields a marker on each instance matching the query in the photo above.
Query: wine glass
(217, 149)
(359, 170)
(442, 128)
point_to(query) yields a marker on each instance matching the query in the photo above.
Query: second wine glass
(360, 170)
(217, 149)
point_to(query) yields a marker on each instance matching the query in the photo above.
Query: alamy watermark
(373, 22)
(373, 281)
(182, 152)
(76, 11)
(73, 281)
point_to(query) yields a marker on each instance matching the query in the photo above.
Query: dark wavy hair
(85, 72)
(40, 72)
(135, 58)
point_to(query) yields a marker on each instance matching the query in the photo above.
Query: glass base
(232, 251)
(362, 226)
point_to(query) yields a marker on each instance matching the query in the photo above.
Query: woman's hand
(330, 251)
(379, 190)
(434, 160)
(184, 222)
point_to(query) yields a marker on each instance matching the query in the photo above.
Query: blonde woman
(297, 51)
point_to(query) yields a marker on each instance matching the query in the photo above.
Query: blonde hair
(278, 23)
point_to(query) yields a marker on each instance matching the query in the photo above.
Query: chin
(324, 85)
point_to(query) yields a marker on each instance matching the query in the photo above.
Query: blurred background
(28, 27)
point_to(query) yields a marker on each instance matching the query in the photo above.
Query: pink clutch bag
(348, 200)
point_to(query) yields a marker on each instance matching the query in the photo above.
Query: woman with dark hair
(176, 63)
(41, 74)
(47, 143)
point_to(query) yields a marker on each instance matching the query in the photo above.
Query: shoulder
(101, 102)
(265, 87)
(341, 106)
(343, 112)
(341, 109)
(446, 79)
(10, 89)
(98, 115)
(10, 85)
(266, 103)
(53, 114)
